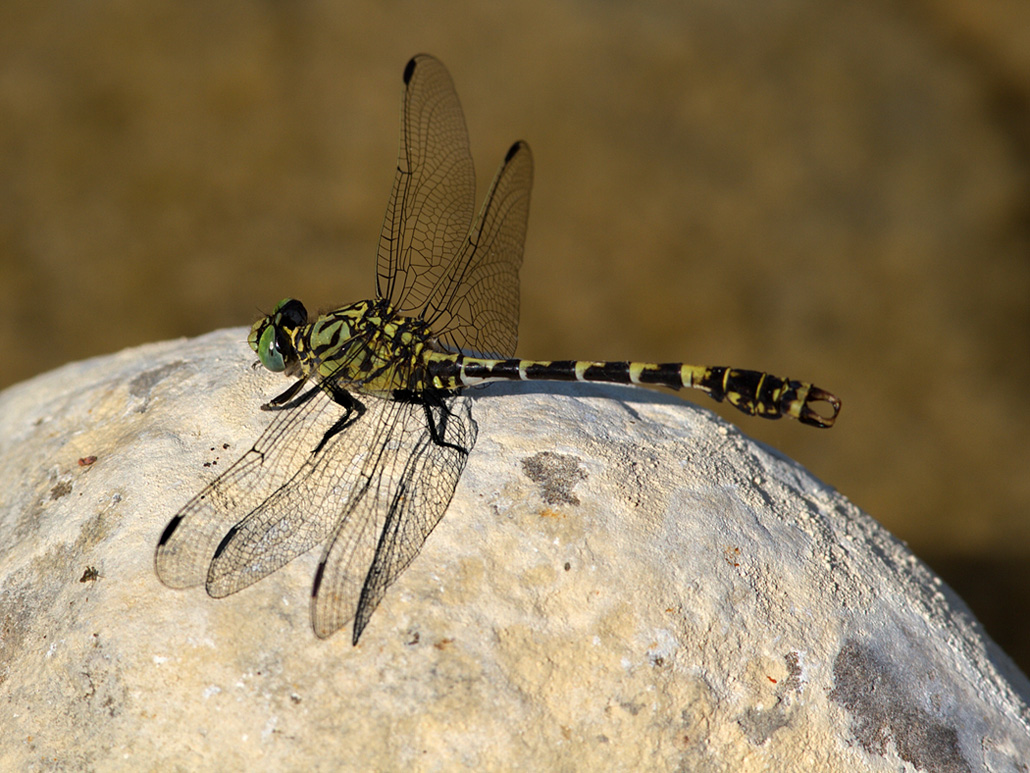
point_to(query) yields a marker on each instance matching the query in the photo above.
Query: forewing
(475, 305)
(323, 493)
(406, 497)
(188, 542)
(433, 197)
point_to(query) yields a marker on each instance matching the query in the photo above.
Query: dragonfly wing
(434, 191)
(475, 305)
(188, 542)
(305, 511)
(406, 497)
(463, 281)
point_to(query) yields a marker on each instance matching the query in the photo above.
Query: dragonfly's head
(272, 336)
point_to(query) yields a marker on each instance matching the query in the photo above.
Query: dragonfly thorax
(366, 345)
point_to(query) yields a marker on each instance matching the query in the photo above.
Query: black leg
(434, 405)
(281, 400)
(353, 409)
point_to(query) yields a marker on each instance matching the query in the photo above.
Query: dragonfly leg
(353, 409)
(435, 407)
(280, 400)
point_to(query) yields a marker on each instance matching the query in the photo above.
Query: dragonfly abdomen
(751, 391)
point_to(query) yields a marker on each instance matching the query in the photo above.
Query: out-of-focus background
(837, 192)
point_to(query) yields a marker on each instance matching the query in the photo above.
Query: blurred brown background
(838, 192)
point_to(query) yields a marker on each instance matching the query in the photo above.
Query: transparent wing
(475, 305)
(434, 191)
(324, 492)
(279, 456)
(405, 496)
(378, 486)
(463, 282)
(282, 458)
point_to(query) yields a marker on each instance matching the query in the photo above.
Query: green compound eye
(268, 351)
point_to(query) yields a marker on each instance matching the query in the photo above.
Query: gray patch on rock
(793, 680)
(759, 724)
(141, 385)
(557, 474)
(62, 489)
(883, 710)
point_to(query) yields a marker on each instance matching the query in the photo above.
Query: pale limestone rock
(623, 582)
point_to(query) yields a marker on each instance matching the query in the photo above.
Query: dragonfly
(368, 443)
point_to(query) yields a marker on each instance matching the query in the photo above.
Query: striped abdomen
(751, 391)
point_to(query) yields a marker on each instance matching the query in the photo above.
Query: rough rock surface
(622, 582)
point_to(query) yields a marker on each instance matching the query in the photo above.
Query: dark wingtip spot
(512, 151)
(318, 579)
(225, 542)
(359, 626)
(409, 70)
(167, 533)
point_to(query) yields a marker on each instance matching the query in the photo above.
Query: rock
(622, 582)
